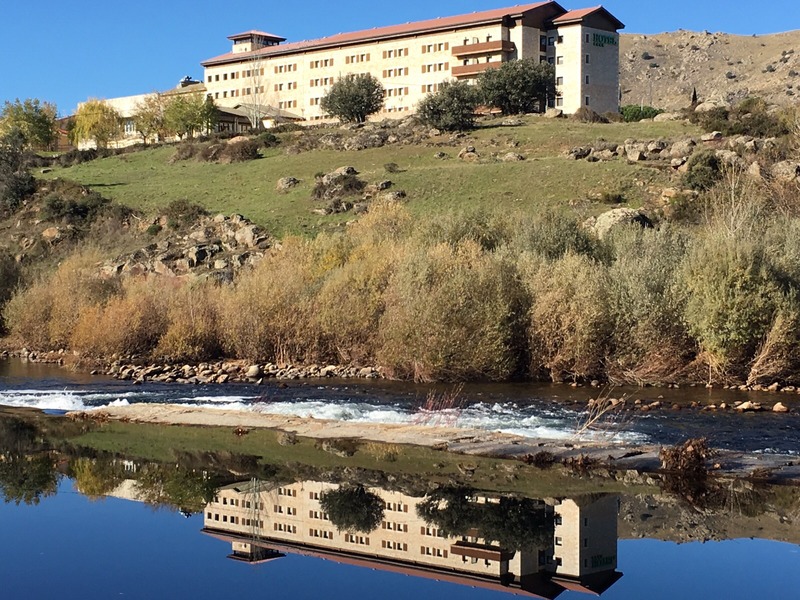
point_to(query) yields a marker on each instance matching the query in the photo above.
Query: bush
(182, 213)
(633, 113)
(452, 108)
(10, 277)
(192, 328)
(267, 139)
(452, 313)
(749, 117)
(74, 210)
(704, 170)
(732, 295)
(240, 151)
(569, 326)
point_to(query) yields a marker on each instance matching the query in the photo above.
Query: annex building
(413, 59)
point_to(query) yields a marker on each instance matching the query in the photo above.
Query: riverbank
(604, 455)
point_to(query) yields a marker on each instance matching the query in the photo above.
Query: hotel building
(264, 522)
(413, 60)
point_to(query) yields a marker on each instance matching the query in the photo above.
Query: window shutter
(406, 71)
(424, 49)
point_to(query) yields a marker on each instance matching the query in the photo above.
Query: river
(535, 410)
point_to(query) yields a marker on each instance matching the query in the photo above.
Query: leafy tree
(96, 120)
(518, 86)
(187, 114)
(10, 276)
(35, 120)
(175, 487)
(95, 477)
(353, 98)
(148, 117)
(353, 508)
(15, 181)
(452, 108)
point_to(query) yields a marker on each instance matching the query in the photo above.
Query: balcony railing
(474, 69)
(483, 48)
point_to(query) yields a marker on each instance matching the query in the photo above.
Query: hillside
(662, 70)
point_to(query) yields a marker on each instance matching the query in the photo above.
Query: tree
(96, 120)
(148, 117)
(353, 98)
(16, 182)
(452, 108)
(519, 86)
(352, 508)
(35, 120)
(187, 114)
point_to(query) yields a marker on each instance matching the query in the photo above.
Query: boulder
(711, 137)
(779, 407)
(553, 113)
(754, 170)
(616, 217)
(511, 122)
(786, 171)
(667, 116)
(286, 183)
(468, 153)
(682, 148)
(730, 158)
(513, 157)
(709, 105)
(253, 372)
(51, 235)
(579, 152)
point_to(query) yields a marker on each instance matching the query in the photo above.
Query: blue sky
(66, 52)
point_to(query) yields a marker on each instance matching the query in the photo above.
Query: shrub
(633, 113)
(731, 296)
(267, 139)
(10, 277)
(186, 150)
(586, 115)
(452, 313)
(452, 108)
(182, 213)
(392, 168)
(240, 151)
(74, 210)
(749, 117)
(704, 170)
(192, 328)
(569, 326)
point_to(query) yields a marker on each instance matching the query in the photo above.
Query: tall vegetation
(451, 107)
(16, 181)
(95, 120)
(149, 117)
(518, 86)
(188, 114)
(35, 120)
(353, 98)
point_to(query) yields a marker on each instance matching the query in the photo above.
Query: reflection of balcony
(483, 48)
(475, 69)
(481, 551)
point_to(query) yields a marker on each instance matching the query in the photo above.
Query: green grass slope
(147, 181)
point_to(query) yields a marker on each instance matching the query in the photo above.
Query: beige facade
(262, 521)
(413, 60)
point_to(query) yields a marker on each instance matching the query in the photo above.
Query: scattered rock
(711, 137)
(779, 407)
(616, 217)
(513, 157)
(287, 183)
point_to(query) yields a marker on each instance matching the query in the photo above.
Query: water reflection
(541, 547)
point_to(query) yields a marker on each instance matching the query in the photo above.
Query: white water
(501, 417)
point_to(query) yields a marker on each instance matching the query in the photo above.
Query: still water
(68, 546)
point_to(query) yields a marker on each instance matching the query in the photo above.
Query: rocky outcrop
(217, 246)
(604, 223)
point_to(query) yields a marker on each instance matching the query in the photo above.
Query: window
(587, 38)
(559, 60)
(558, 541)
(559, 81)
(587, 59)
(216, 77)
(209, 79)
(586, 79)
(551, 41)
(586, 100)
(561, 39)
(559, 518)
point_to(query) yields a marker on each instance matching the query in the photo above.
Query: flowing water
(526, 409)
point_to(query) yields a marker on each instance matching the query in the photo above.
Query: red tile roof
(487, 16)
(575, 16)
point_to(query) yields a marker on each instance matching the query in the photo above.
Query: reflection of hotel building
(263, 522)
(412, 60)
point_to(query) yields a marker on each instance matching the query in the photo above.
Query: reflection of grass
(145, 180)
(159, 443)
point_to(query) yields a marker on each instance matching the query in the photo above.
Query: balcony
(483, 48)
(476, 69)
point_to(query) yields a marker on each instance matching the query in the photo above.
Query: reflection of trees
(26, 474)
(513, 523)
(175, 487)
(95, 477)
(27, 479)
(353, 508)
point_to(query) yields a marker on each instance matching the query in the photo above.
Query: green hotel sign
(601, 39)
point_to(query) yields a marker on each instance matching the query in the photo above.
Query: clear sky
(66, 52)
